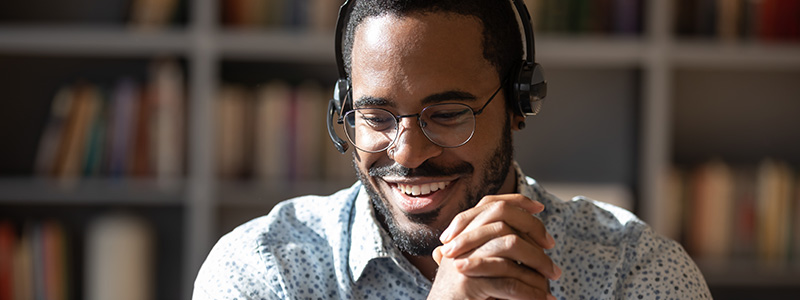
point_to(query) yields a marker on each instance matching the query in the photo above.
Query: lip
(418, 204)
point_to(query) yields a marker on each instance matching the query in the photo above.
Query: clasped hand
(495, 250)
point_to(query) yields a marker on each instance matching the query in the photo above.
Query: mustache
(426, 169)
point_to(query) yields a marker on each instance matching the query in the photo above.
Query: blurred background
(135, 133)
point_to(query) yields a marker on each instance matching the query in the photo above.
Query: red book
(768, 26)
(7, 244)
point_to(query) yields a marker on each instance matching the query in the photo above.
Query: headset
(527, 86)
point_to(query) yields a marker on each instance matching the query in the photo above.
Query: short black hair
(502, 40)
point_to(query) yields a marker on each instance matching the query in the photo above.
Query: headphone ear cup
(530, 89)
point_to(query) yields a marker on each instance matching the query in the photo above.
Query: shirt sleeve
(234, 270)
(663, 270)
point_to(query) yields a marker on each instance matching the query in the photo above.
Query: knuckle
(511, 240)
(501, 228)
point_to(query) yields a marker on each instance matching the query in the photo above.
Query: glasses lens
(370, 129)
(448, 125)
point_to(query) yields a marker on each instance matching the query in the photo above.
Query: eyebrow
(432, 99)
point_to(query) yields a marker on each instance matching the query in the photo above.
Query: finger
(437, 255)
(501, 211)
(463, 219)
(510, 288)
(499, 267)
(533, 207)
(514, 248)
(523, 222)
(470, 240)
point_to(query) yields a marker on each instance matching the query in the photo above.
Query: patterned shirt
(333, 247)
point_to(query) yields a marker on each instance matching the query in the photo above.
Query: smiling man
(441, 210)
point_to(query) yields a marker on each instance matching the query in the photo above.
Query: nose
(412, 147)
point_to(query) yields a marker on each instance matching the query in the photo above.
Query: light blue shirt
(332, 247)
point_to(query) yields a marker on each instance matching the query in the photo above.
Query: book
(53, 258)
(119, 258)
(95, 140)
(69, 163)
(728, 19)
(169, 121)
(24, 266)
(230, 135)
(8, 241)
(712, 200)
(54, 130)
(272, 136)
(309, 120)
(124, 111)
(773, 194)
(152, 14)
(627, 16)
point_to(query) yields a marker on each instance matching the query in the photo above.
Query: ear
(517, 122)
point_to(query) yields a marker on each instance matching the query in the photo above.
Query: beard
(421, 237)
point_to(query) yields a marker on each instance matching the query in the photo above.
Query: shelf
(244, 194)
(600, 51)
(284, 45)
(92, 41)
(736, 56)
(90, 192)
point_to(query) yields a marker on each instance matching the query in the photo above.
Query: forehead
(419, 54)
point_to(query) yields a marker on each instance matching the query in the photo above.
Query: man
(441, 211)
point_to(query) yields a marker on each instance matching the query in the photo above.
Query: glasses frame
(421, 124)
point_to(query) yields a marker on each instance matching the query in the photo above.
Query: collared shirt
(333, 247)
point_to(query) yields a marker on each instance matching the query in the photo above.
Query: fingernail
(550, 297)
(551, 241)
(557, 272)
(445, 237)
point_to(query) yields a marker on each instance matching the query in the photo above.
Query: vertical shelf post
(201, 189)
(655, 114)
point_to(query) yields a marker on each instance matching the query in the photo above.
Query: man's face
(404, 64)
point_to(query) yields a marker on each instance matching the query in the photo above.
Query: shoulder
(246, 262)
(621, 252)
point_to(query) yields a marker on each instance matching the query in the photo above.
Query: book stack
(738, 212)
(33, 264)
(298, 14)
(152, 14)
(731, 20)
(126, 130)
(276, 131)
(580, 17)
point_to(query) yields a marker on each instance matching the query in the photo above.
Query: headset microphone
(528, 88)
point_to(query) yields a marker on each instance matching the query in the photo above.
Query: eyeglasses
(447, 125)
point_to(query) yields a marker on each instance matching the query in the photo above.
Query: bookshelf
(639, 87)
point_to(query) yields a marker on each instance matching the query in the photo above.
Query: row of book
(765, 20)
(617, 17)
(276, 131)
(37, 260)
(300, 14)
(34, 265)
(737, 211)
(131, 129)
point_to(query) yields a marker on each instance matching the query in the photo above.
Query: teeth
(424, 189)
